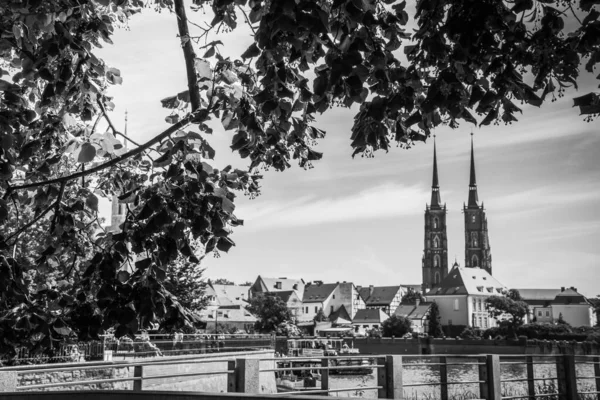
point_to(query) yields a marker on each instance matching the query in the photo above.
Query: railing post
(530, 378)
(138, 372)
(566, 377)
(390, 378)
(443, 378)
(231, 377)
(325, 376)
(597, 372)
(248, 375)
(489, 373)
(8, 381)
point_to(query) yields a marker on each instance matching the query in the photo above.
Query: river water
(464, 372)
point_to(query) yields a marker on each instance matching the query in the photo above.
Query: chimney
(562, 289)
(371, 288)
(573, 288)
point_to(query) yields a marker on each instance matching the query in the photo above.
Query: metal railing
(575, 377)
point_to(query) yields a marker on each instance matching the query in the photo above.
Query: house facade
(538, 304)
(292, 301)
(576, 310)
(367, 319)
(330, 297)
(461, 297)
(417, 314)
(385, 298)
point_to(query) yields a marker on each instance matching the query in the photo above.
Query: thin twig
(575, 15)
(58, 200)
(66, 275)
(117, 160)
(112, 126)
(33, 221)
(188, 54)
(247, 20)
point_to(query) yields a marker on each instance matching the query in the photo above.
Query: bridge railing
(570, 377)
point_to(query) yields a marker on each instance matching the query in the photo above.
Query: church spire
(436, 199)
(473, 198)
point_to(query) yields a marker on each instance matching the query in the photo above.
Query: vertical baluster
(138, 372)
(382, 379)
(231, 377)
(566, 376)
(325, 376)
(483, 377)
(597, 372)
(530, 378)
(443, 378)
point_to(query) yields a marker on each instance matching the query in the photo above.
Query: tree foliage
(434, 328)
(320, 316)
(185, 282)
(222, 281)
(468, 60)
(411, 296)
(396, 325)
(509, 312)
(270, 310)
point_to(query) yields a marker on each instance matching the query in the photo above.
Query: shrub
(396, 326)
(471, 333)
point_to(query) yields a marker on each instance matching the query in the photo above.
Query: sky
(361, 219)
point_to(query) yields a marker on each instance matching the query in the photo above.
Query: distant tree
(561, 320)
(222, 281)
(320, 316)
(248, 283)
(435, 325)
(512, 312)
(514, 294)
(184, 281)
(396, 326)
(270, 310)
(411, 297)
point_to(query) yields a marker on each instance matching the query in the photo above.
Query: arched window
(473, 218)
(436, 278)
(435, 223)
(475, 262)
(474, 239)
(436, 242)
(436, 261)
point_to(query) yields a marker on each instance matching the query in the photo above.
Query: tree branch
(33, 221)
(247, 20)
(58, 199)
(117, 160)
(188, 54)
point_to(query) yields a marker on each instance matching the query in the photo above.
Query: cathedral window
(436, 242)
(473, 218)
(436, 278)
(435, 223)
(475, 262)
(436, 261)
(474, 239)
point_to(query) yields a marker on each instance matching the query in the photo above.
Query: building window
(474, 304)
(316, 309)
(436, 261)
(455, 304)
(473, 218)
(479, 305)
(331, 310)
(474, 239)
(334, 296)
(436, 242)
(547, 313)
(539, 313)
(485, 322)
(475, 262)
(435, 223)
(436, 278)
(480, 322)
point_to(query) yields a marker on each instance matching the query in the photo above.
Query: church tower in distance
(435, 254)
(477, 244)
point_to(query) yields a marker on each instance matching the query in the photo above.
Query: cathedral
(477, 246)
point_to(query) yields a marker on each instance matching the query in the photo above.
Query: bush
(495, 333)
(396, 326)
(453, 330)
(471, 333)
(374, 333)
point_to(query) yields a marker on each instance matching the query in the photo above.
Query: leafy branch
(30, 223)
(188, 54)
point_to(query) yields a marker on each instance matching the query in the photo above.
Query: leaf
(123, 276)
(87, 153)
(62, 330)
(251, 51)
(224, 244)
(92, 202)
(203, 69)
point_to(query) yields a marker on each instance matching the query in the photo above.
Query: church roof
(570, 296)
(465, 281)
(380, 295)
(318, 292)
(369, 315)
(473, 198)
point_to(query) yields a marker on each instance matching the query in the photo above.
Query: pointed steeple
(473, 198)
(436, 200)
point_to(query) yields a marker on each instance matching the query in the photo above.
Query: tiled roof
(340, 316)
(369, 315)
(284, 294)
(412, 311)
(381, 295)
(239, 314)
(538, 297)
(462, 280)
(570, 296)
(231, 294)
(286, 284)
(317, 293)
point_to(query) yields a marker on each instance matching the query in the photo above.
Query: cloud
(383, 201)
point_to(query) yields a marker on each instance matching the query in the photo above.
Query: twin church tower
(477, 246)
